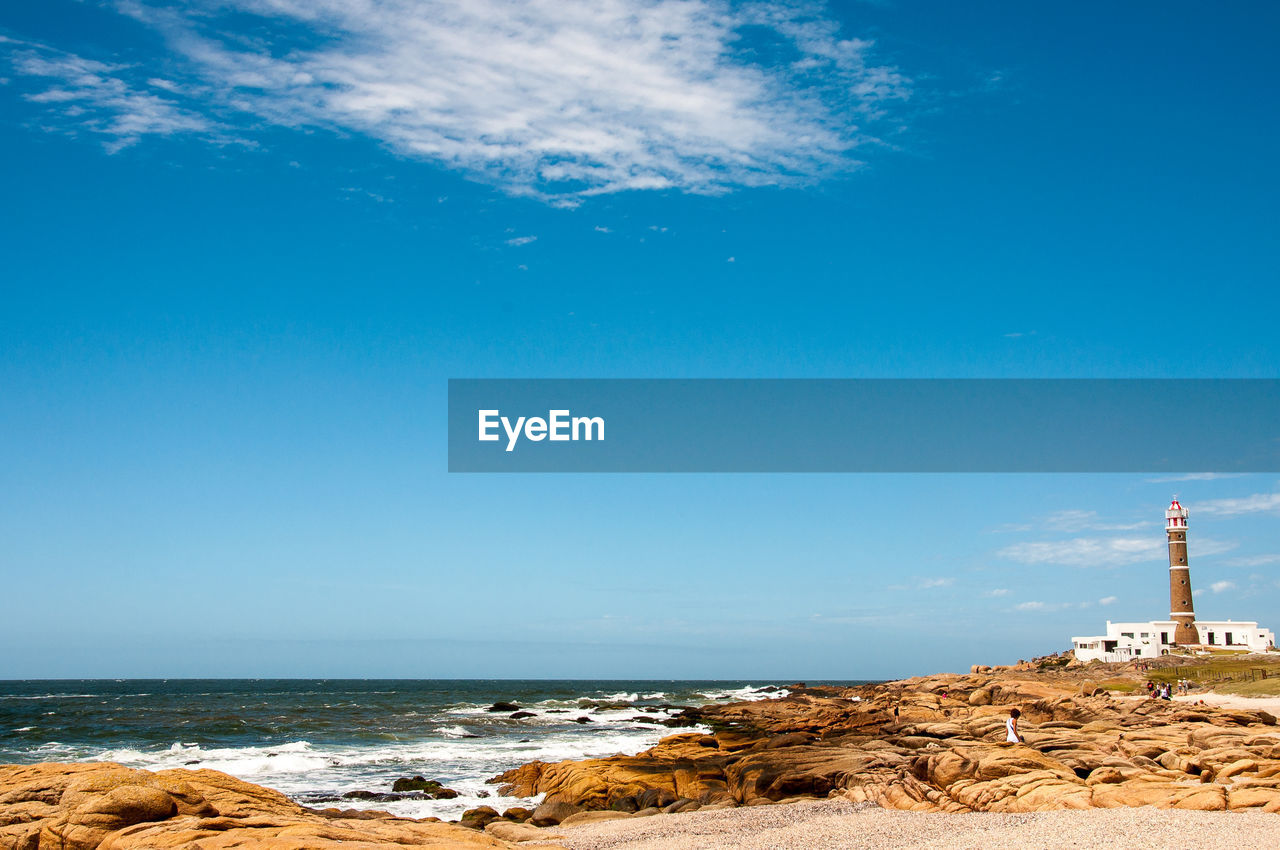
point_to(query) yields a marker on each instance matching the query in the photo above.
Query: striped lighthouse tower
(1180, 609)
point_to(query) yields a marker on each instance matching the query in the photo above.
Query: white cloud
(517, 241)
(1049, 606)
(1107, 600)
(560, 99)
(1220, 586)
(1253, 561)
(87, 95)
(1193, 476)
(602, 229)
(373, 196)
(1257, 503)
(925, 583)
(999, 591)
(1079, 520)
(1087, 551)
(1104, 551)
(1008, 527)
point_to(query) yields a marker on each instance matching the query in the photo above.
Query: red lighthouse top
(1173, 506)
(1176, 516)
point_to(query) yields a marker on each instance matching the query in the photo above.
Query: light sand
(837, 823)
(1268, 704)
(1230, 701)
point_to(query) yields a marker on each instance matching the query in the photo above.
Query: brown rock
(903, 745)
(479, 817)
(108, 807)
(519, 832)
(551, 813)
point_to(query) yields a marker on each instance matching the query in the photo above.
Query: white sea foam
(462, 744)
(745, 694)
(247, 762)
(454, 731)
(300, 768)
(24, 728)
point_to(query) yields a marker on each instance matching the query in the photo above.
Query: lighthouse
(1130, 640)
(1180, 608)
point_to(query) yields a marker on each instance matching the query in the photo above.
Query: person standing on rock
(1011, 727)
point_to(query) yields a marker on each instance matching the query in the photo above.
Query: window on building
(1228, 638)
(1126, 634)
(1212, 639)
(1164, 637)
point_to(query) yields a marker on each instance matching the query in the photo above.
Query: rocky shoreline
(936, 743)
(926, 744)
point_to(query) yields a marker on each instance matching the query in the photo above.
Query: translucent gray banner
(864, 425)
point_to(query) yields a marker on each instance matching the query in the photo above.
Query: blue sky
(247, 243)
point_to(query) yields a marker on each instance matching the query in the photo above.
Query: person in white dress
(1011, 727)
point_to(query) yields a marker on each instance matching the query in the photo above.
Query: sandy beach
(839, 825)
(1229, 701)
(1269, 704)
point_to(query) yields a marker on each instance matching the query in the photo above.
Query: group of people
(1167, 690)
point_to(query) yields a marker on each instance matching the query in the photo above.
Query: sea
(318, 740)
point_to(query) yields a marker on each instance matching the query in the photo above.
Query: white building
(1127, 641)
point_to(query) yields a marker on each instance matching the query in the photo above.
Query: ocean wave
(296, 757)
(748, 693)
(321, 748)
(455, 731)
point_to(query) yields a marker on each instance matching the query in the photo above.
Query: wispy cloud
(517, 241)
(1221, 586)
(1086, 551)
(1107, 600)
(996, 592)
(1193, 476)
(1253, 561)
(1080, 520)
(1257, 503)
(1103, 551)
(1071, 520)
(558, 99)
(373, 196)
(1049, 606)
(84, 95)
(925, 583)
